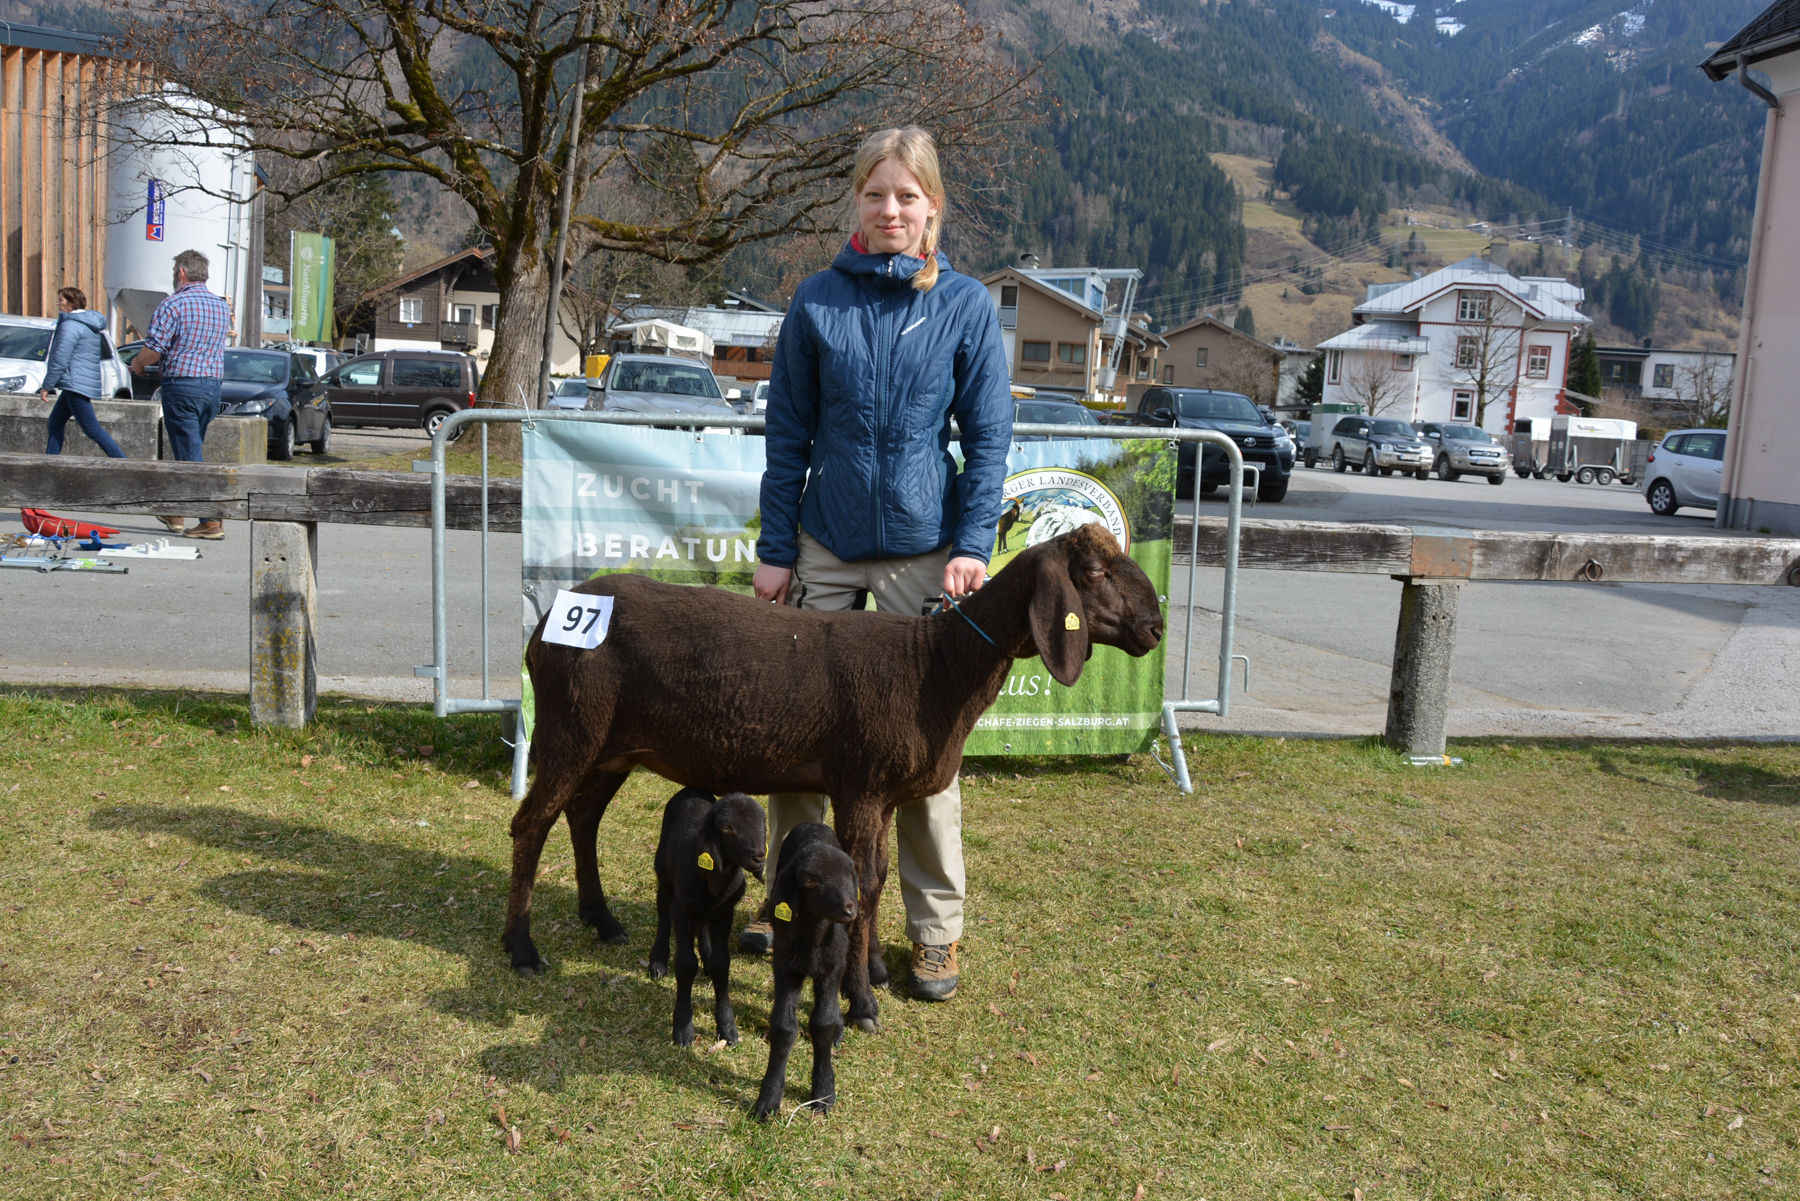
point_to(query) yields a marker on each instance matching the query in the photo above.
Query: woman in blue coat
(861, 496)
(74, 366)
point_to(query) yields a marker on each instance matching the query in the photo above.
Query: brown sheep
(723, 692)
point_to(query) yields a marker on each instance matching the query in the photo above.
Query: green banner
(311, 289)
(684, 508)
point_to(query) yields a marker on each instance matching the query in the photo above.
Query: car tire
(1422, 474)
(1446, 472)
(1273, 490)
(1540, 475)
(1497, 478)
(1585, 476)
(281, 444)
(434, 421)
(1208, 489)
(1368, 463)
(322, 444)
(1603, 477)
(1563, 479)
(1661, 495)
(1312, 458)
(1337, 459)
(1521, 472)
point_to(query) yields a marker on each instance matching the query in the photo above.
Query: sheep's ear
(1059, 620)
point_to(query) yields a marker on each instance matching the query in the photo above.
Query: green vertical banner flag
(682, 508)
(311, 288)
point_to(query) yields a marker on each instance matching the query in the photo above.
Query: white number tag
(577, 619)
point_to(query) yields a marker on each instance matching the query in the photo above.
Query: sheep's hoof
(529, 969)
(658, 970)
(878, 973)
(868, 1025)
(684, 1038)
(606, 927)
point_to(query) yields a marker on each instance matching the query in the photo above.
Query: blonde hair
(915, 150)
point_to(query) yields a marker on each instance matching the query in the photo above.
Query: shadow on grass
(331, 884)
(1649, 761)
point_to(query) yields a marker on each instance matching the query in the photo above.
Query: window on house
(1537, 362)
(1471, 306)
(1168, 373)
(1200, 357)
(1074, 354)
(1462, 406)
(1035, 352)
(1009, 306)
(1334, 366)
(1664, 375)
(490, 316)
(1468, 353)
(463, 314)
(1143, 371)
(412, 310)
(1403, 362)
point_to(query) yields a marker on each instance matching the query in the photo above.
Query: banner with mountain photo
(311, 286)
(682, 507)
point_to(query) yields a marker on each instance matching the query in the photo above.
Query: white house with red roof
(1470, 343)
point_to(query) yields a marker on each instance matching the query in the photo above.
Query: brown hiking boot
(933, 975)
(174, 523)
(758, 938)
(212, 531)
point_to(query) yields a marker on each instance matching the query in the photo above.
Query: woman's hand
(963, 575)
(771, 583)
(44, 395)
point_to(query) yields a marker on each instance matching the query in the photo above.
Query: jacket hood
(898, 268)
(89, 318)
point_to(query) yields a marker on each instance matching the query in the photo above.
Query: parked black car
(142, 386)
(402, 388)
(1262, 442)
(280, 387)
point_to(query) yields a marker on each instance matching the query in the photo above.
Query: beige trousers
(930, 829)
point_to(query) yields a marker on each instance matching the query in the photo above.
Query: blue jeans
(74, 404)
(189, 403)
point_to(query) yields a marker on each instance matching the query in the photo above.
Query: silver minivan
(1685, 469)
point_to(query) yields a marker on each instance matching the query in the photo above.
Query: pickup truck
(1261, 441)
(1375, 444)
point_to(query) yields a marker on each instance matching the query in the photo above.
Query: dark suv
(401, 388)
(1261, 441)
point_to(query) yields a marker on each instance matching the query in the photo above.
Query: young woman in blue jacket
(861, 496)
(73, 365)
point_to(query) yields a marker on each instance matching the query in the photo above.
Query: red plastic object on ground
(49, 525)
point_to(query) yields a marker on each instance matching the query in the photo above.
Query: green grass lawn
(244, 963)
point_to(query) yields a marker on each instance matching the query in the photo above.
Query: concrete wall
(133, 424)
(136, 425)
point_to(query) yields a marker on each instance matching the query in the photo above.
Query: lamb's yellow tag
(1072, 621)
(783, 913)
(705, 862)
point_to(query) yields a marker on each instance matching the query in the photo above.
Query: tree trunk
(510, 380)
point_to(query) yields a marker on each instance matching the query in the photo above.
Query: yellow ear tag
(783, 913)
(705, 862)
(1072, 622)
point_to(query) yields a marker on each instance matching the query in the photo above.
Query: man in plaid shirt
(187, 336)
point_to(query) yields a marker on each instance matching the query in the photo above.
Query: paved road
(1532, 659)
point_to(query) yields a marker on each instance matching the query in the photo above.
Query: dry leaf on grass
(1139, 1195)
(1218, 1044)
(1735, 1123)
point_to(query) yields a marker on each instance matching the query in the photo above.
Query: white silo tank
(178, 179)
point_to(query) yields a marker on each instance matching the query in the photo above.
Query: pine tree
(1245, 322)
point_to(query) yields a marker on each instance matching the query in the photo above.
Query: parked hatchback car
(401, 388)
(1684, 469)
(1459, 450)
(280, 387)
(25, 351)
(1045, 411)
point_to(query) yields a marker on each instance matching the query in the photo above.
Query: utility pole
(571, 164)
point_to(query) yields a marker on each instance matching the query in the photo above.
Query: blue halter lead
(948, 600)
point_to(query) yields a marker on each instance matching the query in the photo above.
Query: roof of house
(1207, 319)
(1541, 298)
(480, 254)
(1380, 335)
(1775, 32)
(63, 41)
(1136, 331)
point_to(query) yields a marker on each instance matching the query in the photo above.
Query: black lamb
(706, 847)
(814, 898)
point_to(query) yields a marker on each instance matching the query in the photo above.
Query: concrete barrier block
(233, 441)
(134, 424)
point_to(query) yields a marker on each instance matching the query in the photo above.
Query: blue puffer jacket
(868, 373)
(74, 360)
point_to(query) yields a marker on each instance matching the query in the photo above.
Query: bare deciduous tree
(1703, 391)
(1485, 359)
(739, 120)
(1377, 385)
